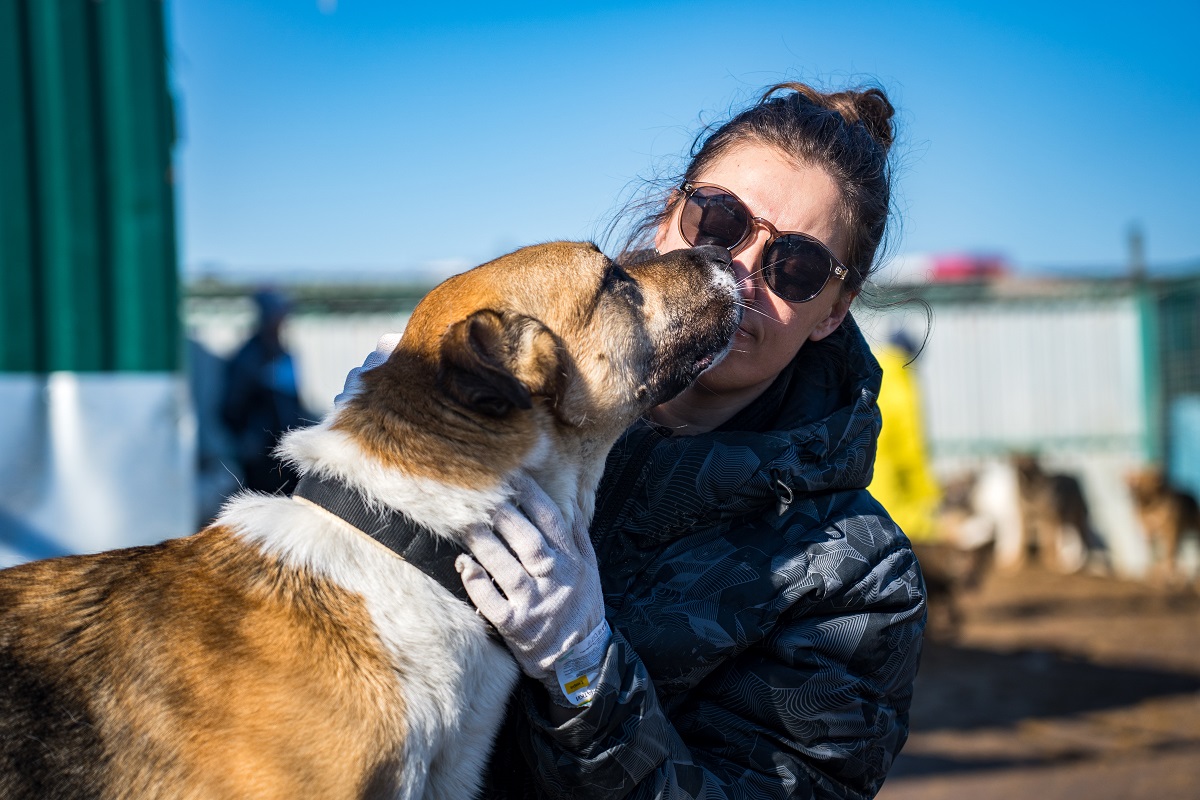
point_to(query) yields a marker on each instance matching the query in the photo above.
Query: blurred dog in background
(959, 556)
(1167, 515)
(1055, 517)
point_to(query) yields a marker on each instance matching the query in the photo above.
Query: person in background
(904, 482)
(261, 399)
(744, 619)
(218, 471)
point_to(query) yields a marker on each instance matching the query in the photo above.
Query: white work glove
(541, 592)
(383, 350)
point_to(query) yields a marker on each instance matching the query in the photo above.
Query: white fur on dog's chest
(452, 679)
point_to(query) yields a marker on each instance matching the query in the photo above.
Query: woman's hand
(541, 592)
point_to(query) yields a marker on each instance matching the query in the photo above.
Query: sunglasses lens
(797, 268)
(713, 216)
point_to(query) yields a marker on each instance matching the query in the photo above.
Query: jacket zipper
(783, 492)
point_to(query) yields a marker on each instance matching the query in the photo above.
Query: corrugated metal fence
(1037, 375)
(1072, 368)
(1084, 375)
(87, 237)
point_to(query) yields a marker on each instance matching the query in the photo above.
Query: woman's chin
(720, 376)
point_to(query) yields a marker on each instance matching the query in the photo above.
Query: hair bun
(870, 106)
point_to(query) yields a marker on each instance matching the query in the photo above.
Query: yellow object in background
(904, 483)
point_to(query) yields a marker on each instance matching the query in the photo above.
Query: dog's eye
(617, 275)
(620, 284)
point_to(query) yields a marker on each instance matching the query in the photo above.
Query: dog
(1167, 515)
(1055, 516)
(961, 553)
(283, 652)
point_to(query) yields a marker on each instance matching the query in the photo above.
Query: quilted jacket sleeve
(818, 708)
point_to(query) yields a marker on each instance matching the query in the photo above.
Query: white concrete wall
(93, 461)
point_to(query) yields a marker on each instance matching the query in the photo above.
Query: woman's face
(793, 197)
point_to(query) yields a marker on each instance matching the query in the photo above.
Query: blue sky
(378, 135)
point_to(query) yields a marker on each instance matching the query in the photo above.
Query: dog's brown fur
(280, 665)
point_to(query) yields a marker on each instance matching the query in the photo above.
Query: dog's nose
(715, 253)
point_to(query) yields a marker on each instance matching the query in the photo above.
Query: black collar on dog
(432, 554)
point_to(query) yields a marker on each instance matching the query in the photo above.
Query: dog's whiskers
(748, 307)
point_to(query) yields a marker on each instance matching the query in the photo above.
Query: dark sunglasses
(795, 266)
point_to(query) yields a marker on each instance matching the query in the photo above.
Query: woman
(754, 625)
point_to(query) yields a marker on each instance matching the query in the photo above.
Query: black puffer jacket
(767, 614)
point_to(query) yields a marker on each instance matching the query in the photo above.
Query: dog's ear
(494, 363)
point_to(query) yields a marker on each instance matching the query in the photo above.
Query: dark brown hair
(846, 133)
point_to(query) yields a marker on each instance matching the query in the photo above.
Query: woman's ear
(837, 313)
(660, 236)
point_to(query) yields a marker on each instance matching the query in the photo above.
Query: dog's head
(561, 323)
(1146, 485)
(551, 349)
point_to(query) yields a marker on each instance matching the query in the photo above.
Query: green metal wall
(1178, 338)
(88, 272)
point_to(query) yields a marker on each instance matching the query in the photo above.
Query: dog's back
(194, 663)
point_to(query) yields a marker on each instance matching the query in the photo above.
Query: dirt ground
(1058, 687)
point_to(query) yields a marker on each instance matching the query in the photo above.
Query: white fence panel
(1041, 375)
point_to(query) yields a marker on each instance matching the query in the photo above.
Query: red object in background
(961, 267)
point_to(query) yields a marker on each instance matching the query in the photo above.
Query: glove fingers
(491, 554)
(382, 352)
(524, 538)
(543, 512)
(475, 579)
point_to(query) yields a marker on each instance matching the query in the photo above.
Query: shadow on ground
(966, 690)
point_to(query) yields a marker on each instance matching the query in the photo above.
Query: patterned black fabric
(761, 649)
